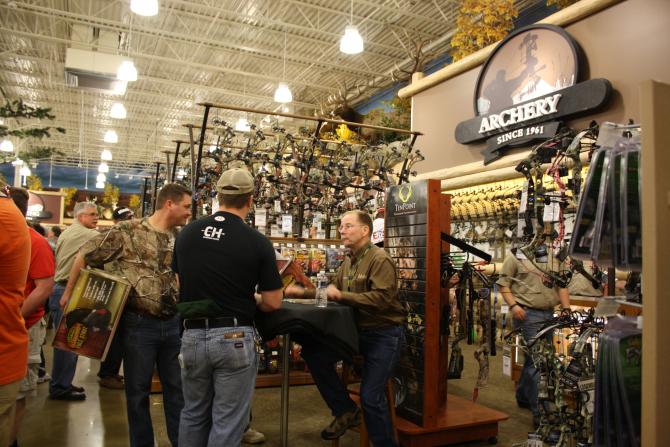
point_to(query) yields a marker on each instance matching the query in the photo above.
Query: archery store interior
(484, 179)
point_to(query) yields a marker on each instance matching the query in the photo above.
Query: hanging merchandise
(618, 391)
(608, 226)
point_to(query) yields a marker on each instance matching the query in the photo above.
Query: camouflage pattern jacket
(141, 254)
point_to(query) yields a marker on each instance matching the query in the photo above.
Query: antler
(419, 59)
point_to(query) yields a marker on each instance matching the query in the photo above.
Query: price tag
(504, 309)
(551, 212)
(320, 245)
(274, 231)
(507, 361)
(321, 234)
(534, 440)
(261, 218)
(277, 206)
(509, 233)
(639, 322)
(287, 223)
(305, 233)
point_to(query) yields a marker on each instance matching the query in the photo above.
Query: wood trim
(655, 115)
(565, 17)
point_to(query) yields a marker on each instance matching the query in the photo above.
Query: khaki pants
(8, 395)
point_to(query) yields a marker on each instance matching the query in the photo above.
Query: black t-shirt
(221, 258)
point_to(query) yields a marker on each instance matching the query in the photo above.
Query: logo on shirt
(219, 218)
(213, 233)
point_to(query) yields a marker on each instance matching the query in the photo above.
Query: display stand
(416, 215)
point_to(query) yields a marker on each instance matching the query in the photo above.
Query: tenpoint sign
(526, 87)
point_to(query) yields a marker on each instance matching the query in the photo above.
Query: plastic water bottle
(321, 284)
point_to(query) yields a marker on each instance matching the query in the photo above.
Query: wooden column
(655, 108)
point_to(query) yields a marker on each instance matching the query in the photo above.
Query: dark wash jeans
(526, 390)
(380, 349)
(64, 363)
(147, 342)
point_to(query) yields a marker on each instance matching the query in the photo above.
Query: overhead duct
(85, 67)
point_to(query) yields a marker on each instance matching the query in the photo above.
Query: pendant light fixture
(351, 42)
(7, 146)
(119, 87)
(103, 168)
(127, 71)
(145, 8)
(283, 93)
(101, 178)
(24, 171)
(118, 111)
(111, 137)
(100, 185)
(106, 155)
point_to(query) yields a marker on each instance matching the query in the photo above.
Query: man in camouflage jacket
(141, 250)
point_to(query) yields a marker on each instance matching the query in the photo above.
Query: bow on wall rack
(303, 172)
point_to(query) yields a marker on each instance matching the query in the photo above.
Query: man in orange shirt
(14, 263)
(39, 283)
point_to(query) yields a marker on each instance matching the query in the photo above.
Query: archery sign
(526, 85)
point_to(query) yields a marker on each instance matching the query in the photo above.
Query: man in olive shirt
(366, 280)
(531, 302)
(69, 243)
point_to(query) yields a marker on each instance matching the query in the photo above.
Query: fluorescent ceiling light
(111, 137)
(242, 125)
(101, 178)
(127, 71)
(7, 146)
(283, 93)
(106, 155)
(118, 111)
(351, 42)
(145, 8)
(103, 167)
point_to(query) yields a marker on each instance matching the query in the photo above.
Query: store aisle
(100, 421)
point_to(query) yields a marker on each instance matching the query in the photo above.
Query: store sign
(526, 87)
(407, 199)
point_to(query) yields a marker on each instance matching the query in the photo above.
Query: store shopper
(14, 264)
(69, 243)
(38, 287)
(220, 261)
(141, 250)
(366, 280)
(110, 367)
(531, 297)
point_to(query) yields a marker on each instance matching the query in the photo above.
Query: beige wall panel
(625, 43)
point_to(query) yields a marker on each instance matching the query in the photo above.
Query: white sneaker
(45, 378)
(252, 436)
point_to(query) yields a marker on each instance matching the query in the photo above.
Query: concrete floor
(101, 419)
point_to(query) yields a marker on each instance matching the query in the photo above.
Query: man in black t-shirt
(220, 261)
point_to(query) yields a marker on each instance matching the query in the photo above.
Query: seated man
(366, 280)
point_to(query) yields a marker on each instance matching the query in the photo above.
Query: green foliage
(134, 203)
(398, 117)
(69, 195)
(19, 110)
(34, 153)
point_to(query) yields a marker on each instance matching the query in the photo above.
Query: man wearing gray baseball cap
(220, 261)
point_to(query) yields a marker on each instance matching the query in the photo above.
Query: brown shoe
(341, 423)
(113, 383)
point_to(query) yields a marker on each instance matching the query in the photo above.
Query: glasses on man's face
(93, 214)
(347, 227)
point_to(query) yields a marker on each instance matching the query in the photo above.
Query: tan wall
(625, 43)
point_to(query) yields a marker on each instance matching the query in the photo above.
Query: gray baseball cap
(235, 181)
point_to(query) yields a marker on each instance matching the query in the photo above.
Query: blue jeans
(64, 362)
(147, 342)
(112, 364)
(526, 391)
(219, 376)
(381, 350)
